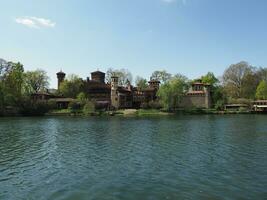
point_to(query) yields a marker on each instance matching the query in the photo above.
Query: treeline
(16, 87)
(240, 83)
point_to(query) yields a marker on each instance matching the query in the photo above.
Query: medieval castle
(113, 95)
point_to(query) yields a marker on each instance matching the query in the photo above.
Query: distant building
(260, 106)
(114, 96)
(60, 78)
(198, 96)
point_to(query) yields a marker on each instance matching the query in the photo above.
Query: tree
(3, 68)
(262, 73)
(141, 83)
(210, 78)
(35, 81)
(13, 81)
(217, 95)
(88, 108)
(161, 76)
(261, 92)
(171, 92)
(72, 86)
(82, 99)
(123, 74)
(2, 95)
(240, 80)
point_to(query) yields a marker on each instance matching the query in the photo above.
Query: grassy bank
(141, 112)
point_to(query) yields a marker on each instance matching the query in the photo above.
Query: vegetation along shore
(242, 88)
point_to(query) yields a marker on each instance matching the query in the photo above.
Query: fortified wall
(197, 97)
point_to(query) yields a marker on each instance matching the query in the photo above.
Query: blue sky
(190, 37)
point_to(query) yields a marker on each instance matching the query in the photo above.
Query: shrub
(154, 105)
(52, 104)
(88, 108)
(144, 105)
(34, 108)
(219, 105)
(81, 97)
(74, 107)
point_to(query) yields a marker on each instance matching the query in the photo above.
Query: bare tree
(123, 74)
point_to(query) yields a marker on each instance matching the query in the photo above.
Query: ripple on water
(184, 157)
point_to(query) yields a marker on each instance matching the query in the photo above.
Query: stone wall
(194, 101)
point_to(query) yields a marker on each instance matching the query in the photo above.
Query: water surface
(182, 157)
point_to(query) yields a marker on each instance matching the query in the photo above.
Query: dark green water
(184, 157)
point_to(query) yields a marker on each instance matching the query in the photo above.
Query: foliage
(170, 93)
(33, 108)
(72, 86)
(2, 97)
(88, 108)
(52, 104)
(210, 78)
(261, 92)
(81, 97)
(161, 76)
(74, 107)
(123, 74)
(219, 105)
(217, 95)
(262, 73)
(36, 81)
(13, 82)
(141, 83)
(239, 101)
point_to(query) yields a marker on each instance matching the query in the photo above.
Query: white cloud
(35, 22)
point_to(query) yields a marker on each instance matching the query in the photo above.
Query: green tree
(171, 93)
(261, 92)
(123, 74)
(217, 94)
(72, 86)
(13, 81)
(88, 108)
(82, 99)
(2, 95)
(210, 78)
(36, 81)
(141, 83)
(161, 76)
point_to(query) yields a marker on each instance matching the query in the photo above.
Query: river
(170, 157)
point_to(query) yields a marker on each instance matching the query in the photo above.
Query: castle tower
(128, 85)
(60, 78)
(114, 92)
(98, 76)
(207, 96)
(154, 84)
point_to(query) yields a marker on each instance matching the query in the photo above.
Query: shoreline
(137, 113)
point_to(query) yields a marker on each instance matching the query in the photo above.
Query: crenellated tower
(114, 92)
(60, 78)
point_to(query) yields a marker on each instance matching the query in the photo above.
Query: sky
(190, 37)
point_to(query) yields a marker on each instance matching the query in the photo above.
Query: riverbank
(138, 112)
(125, 112)
(146, 112)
